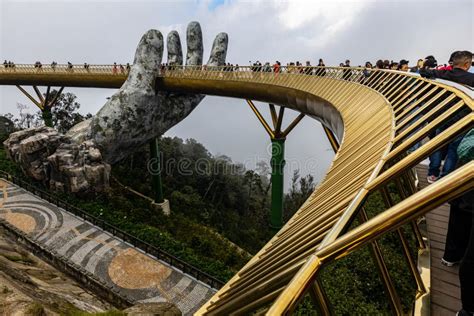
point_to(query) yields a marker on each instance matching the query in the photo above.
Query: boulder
(56, 160)
(6, 126)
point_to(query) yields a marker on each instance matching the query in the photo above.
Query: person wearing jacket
(462, 61)
(460, 236)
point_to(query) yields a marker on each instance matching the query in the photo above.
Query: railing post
(406, 251)
(414, 224)
(387, 282)
(318, 295)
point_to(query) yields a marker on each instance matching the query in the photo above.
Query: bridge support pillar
(45, 102)
(277, 162)
(278, 166)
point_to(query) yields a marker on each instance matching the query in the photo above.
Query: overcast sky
(103, 32)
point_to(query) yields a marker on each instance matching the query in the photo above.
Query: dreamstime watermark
(223, 166)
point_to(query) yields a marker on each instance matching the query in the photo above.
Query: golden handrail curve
(367, 110)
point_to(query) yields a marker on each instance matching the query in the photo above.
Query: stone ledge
(163, 207)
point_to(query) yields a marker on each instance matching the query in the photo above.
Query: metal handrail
(160, 254)
(447, 188)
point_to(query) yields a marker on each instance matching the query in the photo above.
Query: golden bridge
(373, 119)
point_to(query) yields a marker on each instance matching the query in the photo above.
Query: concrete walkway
(135, 275)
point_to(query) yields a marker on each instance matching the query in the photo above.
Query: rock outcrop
(6, 126)
(80, 160)
(56, 160)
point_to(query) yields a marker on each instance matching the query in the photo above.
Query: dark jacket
(457, 75)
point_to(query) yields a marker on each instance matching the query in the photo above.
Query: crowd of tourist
(116, 69)
(8, 64)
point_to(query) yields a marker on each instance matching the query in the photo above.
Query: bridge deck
(445, 291)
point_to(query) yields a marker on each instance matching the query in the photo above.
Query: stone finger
(175, 53)
(219, 50)
(194, 42)
(149, 52)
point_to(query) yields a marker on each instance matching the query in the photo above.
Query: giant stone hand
(80, 160)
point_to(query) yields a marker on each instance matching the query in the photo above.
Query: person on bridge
(455, 240)
(462, 61)
(299, 67)
(276, 67)
(450, 63)
(436, 158)
(379, 64)
(419, 65)
(267, 67)
(403, 65)
(309, 69)
(347, 72)
(367, 70)
(115, 69)
(460, 236)
(321, 71)
(5, 64)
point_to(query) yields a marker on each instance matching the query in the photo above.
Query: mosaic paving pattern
(134, 274)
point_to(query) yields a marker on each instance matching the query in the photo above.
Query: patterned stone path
(135, 275)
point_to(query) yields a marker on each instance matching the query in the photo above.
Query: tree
(62, 116)
(24, 118)
(64, 113)
(301, 189)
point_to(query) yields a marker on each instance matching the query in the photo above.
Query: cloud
(331, 15)
(108, 30)
(214, 4)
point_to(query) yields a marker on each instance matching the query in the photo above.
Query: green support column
(47, 117)
(277, 162)
(156, 178)
(278, 166)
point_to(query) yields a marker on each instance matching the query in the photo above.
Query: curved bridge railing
(375, 119)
